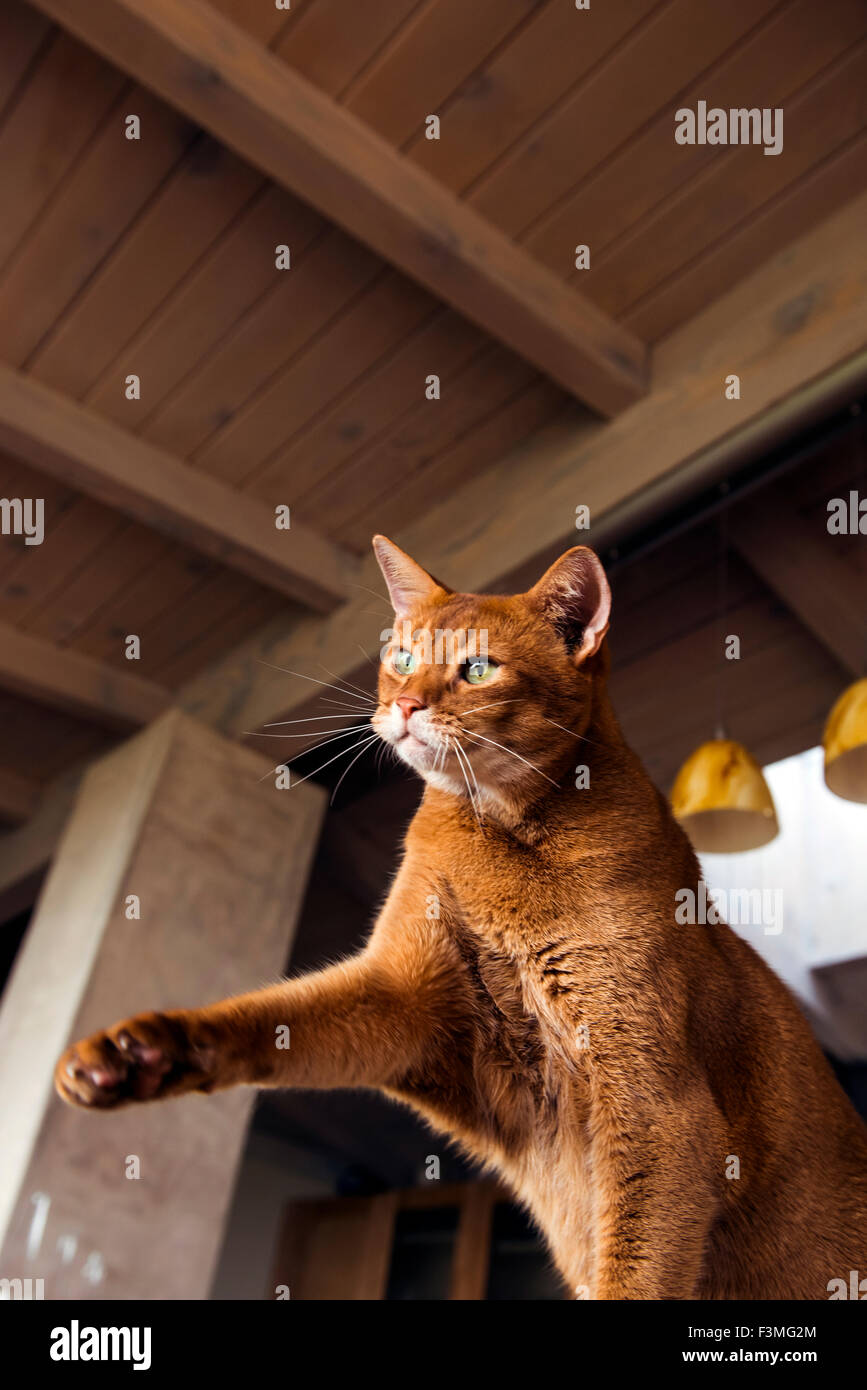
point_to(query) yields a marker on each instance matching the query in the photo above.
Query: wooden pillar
(337, 1249)
(472, 1256)
(217, 859)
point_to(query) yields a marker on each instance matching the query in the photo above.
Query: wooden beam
(795, 334)
(207, 67)
(74, 444)
(71, 681)
(805, 569)
(179, 818)
(26, 853)
(19, 796)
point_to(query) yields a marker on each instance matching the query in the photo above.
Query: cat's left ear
(409, 585)
(575, 597)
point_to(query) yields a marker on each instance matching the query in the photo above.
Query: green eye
(403, 662)
(477, 670)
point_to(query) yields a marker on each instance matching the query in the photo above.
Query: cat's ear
(408, 584)
(575, 597)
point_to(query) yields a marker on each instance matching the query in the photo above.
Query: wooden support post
(337, 1249)
(472, 1256)
(132, 1204)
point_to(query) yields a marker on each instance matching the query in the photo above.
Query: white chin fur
(421, 746)
(416, 754)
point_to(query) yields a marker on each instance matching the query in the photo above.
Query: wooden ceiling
(157, 257)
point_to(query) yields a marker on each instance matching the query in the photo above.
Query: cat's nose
(408, 704)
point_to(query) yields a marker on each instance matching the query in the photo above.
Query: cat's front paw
(143, 1058)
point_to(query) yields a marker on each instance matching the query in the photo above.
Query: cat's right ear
(575, 598)
(409, 585)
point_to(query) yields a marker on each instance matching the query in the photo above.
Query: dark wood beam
(83, 450)
(19, 796)
(70, 681)
(210, 69)
(26, 852)
(804, 567)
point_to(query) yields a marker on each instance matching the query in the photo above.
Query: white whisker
(458, 752)
(352, 729)
(379, 757)
(329, 685)
(382, 597)
(344, 733)
(478, 800)
(340, 754)
(310, 719)
(472, 772)
(514, 755)
(570, 731)
(357, 688)
(364, 746)
(346, 704)
(475, 708)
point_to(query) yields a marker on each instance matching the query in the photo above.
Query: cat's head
(482, 693)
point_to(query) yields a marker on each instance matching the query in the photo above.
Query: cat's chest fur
(519, 923)
(529, 1109)
(528, 924)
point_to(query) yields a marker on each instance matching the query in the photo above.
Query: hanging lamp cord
(722, 613)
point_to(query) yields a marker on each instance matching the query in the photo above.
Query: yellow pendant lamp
(722, 800)
(845, 744)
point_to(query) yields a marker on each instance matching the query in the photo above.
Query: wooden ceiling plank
(441, 46)
(22, 33)
(501, 429)
(645, 74)
(213, 301)
(377, 405)
(67, 77)
(208, 613)
(823, 589)
(274, 374)
(69, 681)
(331, 42)
(795, 333)
(202, 198)
(219, 76)
(388, 466)
(793, 213)
(785, 50)
(518, 83)
(95, 204)
(68, 441)
(711, 207)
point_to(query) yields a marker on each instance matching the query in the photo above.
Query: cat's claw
(140, 1059)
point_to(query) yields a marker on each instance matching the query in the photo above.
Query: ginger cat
(553, 1018)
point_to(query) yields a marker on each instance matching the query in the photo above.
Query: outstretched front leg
(366, 1022)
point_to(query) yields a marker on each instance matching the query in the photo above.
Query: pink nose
(408, 704)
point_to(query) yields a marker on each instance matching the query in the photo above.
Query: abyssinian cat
(549, 1013)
